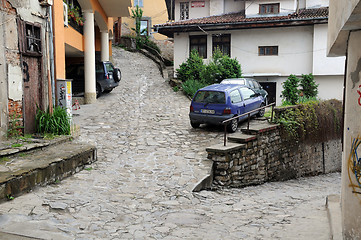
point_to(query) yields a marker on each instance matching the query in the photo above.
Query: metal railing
(226, 122)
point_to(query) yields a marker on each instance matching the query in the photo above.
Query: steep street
(149, 160)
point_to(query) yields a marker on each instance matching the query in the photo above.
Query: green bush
(309, 86)
(221, 67)
(191, 86)
(290, 90)
(191, 69)
(57, 123)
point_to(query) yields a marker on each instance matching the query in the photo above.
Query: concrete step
(258, 127)
(47, 163)
(240, 137)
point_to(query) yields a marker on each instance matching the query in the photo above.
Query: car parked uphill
(107, 77)
(249, 82)
(218, 102)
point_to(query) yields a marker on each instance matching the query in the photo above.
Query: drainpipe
(52, 67)
(297, 6)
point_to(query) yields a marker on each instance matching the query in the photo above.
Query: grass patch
(16, 145)
(4, 159)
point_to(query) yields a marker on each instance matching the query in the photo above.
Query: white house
(271, 39)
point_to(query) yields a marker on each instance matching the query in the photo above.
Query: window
(184, 10)
(210, 97)
(144, 27)
(247, 93)
(138, 3)
(273, 8)
(235, 96)
(268, 51)
(199, 43)
(31, 38)
(223, 43)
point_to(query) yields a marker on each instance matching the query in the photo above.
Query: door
(32, 91)
(270, 87)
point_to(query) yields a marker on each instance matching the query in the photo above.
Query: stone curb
(45, 165)
(334, 216)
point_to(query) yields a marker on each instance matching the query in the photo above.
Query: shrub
(191, 86)
(309, 86)
(191, 69)
(221, 67)
(290, 90)
(313, 121)
(57, 123)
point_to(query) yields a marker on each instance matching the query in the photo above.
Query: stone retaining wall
(269, 157)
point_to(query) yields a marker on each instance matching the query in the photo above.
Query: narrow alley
(149, 160)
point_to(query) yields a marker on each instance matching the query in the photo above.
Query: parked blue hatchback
(215, 103)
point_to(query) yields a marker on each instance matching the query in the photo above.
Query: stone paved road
(149, 160)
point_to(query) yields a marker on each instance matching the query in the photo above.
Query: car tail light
(227, 111)
(191, 109)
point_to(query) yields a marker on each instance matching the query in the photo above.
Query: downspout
(51, 46)
(297, 6)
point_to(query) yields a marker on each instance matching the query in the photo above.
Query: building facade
(344, 40)
(270, 39)
(24, 64)
(154, 12)
(85, 37)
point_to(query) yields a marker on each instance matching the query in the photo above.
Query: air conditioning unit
(46, 3)
(65, 13)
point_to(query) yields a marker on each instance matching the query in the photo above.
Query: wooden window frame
(223, 42)
(197, 45)
(263, 8)
(28, 40)
(268, 51)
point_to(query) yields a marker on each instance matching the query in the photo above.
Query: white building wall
(181, 49)
(317, 3)
(323, 65)
(231, 6)
(216, 7)
(294, 50)
(252, 7)
(195, 12)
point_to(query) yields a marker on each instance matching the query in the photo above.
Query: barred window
(223, 43)
(268, 51)
(199, 43)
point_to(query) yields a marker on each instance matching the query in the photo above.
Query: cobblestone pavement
(149, 160)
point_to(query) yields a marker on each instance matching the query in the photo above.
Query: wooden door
(32, 91)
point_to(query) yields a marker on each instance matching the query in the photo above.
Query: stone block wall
(271, 158)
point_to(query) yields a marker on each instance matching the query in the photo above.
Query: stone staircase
(30, 163)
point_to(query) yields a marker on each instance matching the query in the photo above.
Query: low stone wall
(269, 157)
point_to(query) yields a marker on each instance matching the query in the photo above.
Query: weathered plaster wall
(351, 164)
(3, 82)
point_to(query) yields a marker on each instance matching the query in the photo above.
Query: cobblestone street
(149, 160)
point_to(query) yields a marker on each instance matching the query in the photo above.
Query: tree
(290, 89)
(309, 86)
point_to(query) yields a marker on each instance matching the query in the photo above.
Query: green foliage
(175, 88)
(143, 42)
(137, 14)
(191, 69)
(191, 86)
(220, 67)
(309, 86)
(313, 121)
(290, 89)
(15, 145)
(57, 123)
(15, 128)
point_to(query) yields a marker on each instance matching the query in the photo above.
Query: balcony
(73, 15)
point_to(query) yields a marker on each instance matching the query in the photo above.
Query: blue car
(215, 103)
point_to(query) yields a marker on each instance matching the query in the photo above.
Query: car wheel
(261, 112)
(117, 74)
(195, 124)
(98, 90)
(232, 126)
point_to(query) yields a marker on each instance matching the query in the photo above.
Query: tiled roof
(239, 18)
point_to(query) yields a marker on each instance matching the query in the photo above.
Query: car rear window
(109, 67)
(210, 97)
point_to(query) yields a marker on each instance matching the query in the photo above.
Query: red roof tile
(239, 18)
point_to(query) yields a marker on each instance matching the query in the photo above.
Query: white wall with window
(253, 8)
(197, 9)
